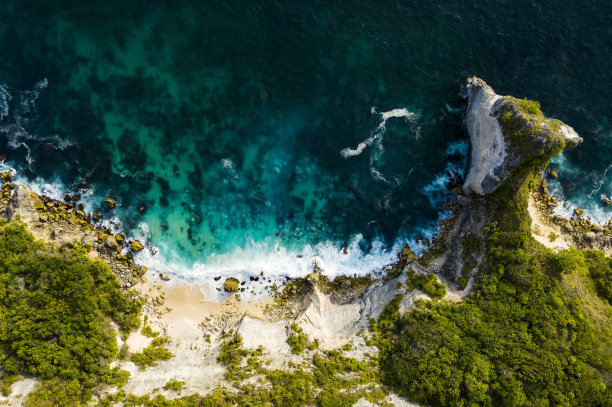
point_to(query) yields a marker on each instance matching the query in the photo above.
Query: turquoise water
(258, 136)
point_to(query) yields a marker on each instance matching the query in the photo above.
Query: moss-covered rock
(231, 285)
(506, 133)
(6, 177)
(136, 246)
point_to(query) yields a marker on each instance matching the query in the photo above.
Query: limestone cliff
(506, 132)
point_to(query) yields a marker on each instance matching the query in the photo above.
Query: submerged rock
(110, 202)
(231, 285)
(553, 174)
(506, 132)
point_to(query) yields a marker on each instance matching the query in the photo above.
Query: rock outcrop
(24, 205)
(136, 246)
(231, 285)
(506, 132)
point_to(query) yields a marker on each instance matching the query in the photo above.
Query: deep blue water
(226, 120)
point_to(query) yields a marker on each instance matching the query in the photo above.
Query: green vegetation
(6, 381)
(519, 340)
(56, 307)
(600, 271)
(552, 236)
(525, 127)
(530, 334)
(116, 377)
(327, 379)
(151, 354)
(428, 283)
(174, 385)
(529, 106)
(231, 355)
(147, 330)
(297, 340)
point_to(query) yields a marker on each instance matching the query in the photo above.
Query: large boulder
(506, 132)
(6, 176)
(231, 285)
(136, 246)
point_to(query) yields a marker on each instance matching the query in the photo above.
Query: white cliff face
(570, 135)
(492, 158)
(488, 148)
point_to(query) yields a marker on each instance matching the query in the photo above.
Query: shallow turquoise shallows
(248, 136)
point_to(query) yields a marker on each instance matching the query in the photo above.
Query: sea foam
(5, 98)
(377, 134)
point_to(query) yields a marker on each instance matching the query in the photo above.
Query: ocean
(241, 137)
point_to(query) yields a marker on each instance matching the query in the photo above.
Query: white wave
(377, 175)
(600, 182)
(229, 166)
(274, 261)
(588, 202)
(403, 112)
(458, 147)
(5, 98)
(352, 152)
(16, 127)
(437, 190)
(54, 188)
(429, 231)
(378, 132)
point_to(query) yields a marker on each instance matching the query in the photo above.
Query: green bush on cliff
(427, 283)
(153, 353)
(529, 106)
(55, 312)
(524, 337)
(600, 270)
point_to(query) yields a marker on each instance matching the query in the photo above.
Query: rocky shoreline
(333, 314)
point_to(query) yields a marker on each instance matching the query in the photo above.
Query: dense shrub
(520, 339)
(153, 353)
(55, 311)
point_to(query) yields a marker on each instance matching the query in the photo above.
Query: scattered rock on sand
(231, 285)
(164, 277)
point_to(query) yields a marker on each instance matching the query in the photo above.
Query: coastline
(333, 314)
(297, 330)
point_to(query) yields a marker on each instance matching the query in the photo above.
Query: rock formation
(505, 132)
